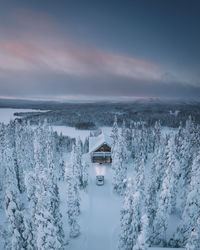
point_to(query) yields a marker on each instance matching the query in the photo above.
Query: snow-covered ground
(73, 132)
(100, 213)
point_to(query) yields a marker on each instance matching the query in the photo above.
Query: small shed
(100, 148)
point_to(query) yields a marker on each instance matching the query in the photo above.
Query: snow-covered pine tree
(86, 145)
(119, 166)
(193, 242)
(144, 142)
(13, 205)
(49, 234)
(23, 149)
(2, 166)
(19, 151)
(157, 133)
(30, 184)
(85, 174)
(178, 141)
(79, 165)
(187, 154)
(132, 212)
(141, 146)
(155, 181)
(61, 167)
(192, 206)
(73, 199)
(167, 195)
(129, 134)
(138, 202)
(114, 136)
(142, 240)
(134, 139)
(123, 141)
(126, 217)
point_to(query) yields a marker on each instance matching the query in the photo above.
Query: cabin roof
(98, 141)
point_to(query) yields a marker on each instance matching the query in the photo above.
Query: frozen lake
(7, 114)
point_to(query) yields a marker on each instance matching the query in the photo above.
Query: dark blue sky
(99, 49)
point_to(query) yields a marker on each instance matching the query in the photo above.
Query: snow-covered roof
(98, 141)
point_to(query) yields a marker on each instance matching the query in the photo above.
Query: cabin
(100, 148)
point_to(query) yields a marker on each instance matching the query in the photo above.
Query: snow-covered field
(73, 132)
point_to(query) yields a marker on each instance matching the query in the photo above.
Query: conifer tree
(13, 205)
(192, 206)
(119, 167)
(125, 241)
(193, 242)
(167, 195)
(142, 240)
(114, 136)
(73, 199)
(49, 233)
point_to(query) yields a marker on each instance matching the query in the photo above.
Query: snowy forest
(155, 174)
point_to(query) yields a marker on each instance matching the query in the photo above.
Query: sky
(113, 49)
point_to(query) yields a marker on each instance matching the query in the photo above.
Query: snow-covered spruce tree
(85, 174)
(23, 150)
(86, 145)
(61, 168)
(119, 166)
(129, 134)
(49, 234)
(30, 184)
(124, 144)
(167, 195)
(73, 199)
(150, 142)
(155, 181)
(19, 149)
(142, 240)
(13, 206)
(157, 133)
(188, 152)
(2, 166)
(132, 211)
(193, 242)
(114, 136)
(138, 204)
(192, 206)
(141, 147)
(135, 131)
(126, 217)
(79, 165)
(179, 137)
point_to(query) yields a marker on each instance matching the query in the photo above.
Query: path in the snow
(100, 215)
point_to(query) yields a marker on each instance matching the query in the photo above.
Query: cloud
(72, 59)
(36, 59)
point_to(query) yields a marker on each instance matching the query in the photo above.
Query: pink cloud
(22, 50)
(41, 46)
